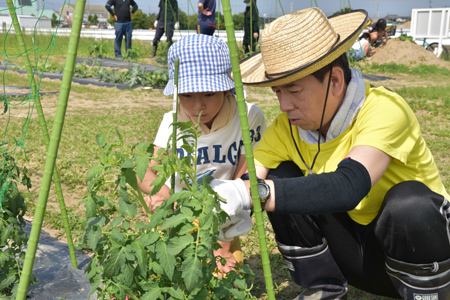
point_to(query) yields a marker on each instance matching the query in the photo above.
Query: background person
(161, 21)
(378, 33)
(251, 31)
(221, 152)
(354, 195)
(361, 48)
(206, 23)
(122, 24)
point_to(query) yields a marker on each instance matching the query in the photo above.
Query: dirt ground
(395, 51)
(406, 53)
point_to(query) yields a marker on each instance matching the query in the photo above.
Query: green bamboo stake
(175, 117)
(52, 150)
(248, 147)
(281, 6)
(43, 124)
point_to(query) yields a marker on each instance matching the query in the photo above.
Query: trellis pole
(248, 147)
(175, 117)
(43, 124)
(52, 150)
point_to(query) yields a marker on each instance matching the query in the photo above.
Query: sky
(272, 8)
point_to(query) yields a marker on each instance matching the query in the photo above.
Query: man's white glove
(177, 26)
(236, 194)
(237, 225)
(155, 24)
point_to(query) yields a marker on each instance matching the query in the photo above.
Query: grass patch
(138, 118)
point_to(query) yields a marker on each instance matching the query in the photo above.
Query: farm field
(422, 79)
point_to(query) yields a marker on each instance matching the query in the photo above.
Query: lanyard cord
(320, 129)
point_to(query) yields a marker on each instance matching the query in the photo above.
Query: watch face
(263, 189)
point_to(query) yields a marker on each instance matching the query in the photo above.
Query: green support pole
(281, 6)
(276, 7)
(43, 124)
(248, 147)
(52, 150)
(175, 116)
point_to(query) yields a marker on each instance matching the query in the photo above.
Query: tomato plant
(163, 256)
(13, 238)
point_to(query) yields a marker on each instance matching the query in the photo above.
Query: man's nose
(285, 103)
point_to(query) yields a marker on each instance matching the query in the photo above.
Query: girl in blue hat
(206, 89)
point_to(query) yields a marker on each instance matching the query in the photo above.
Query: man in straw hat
(352, 191)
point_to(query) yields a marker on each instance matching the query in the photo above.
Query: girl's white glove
(155, 24)
(237, 225)
(177, 26)
(236, 194)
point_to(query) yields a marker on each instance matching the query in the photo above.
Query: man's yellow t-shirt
(385, 122)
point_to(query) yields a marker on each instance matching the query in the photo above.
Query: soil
(406, 53)
(395, 51)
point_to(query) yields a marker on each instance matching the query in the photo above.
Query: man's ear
(338, 86)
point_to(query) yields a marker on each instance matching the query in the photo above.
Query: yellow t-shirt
(385, 122)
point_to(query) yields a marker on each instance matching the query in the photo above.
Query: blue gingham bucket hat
(205, 65)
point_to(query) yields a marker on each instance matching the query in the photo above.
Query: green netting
(34, 55)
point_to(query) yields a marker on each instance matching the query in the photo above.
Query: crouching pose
(206, 92)
(351, 189)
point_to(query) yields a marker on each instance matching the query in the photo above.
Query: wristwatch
(263, 189)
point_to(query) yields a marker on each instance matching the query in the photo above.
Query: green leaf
(116, 221)
(7, 280)
(127, 209)
(4, 257)
(130, 176)
(93, 172)
(142, 164)
(117, 238)
(176, 292)
(127, 164)
(167, 261)
(175, 220)
(142, 262)
(177, 244)
(93, 236)
(91, 208)
(192, 272)
(119, 135)
(101, 139)
(114, 263)
(153, 294)
(149, 238)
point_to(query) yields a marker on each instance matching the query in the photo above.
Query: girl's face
(207, 103)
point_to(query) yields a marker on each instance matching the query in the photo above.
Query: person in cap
(251, 28)
(162, 21)
(206, 90)
(350, 187)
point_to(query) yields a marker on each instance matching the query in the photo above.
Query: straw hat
(300, 43)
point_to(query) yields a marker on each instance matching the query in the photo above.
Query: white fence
(138, 34)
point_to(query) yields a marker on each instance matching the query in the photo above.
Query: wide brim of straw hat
(290, 52)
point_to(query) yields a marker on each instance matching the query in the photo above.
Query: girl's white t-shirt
(217, 152)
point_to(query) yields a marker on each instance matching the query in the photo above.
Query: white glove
(236, 194)
(155, 24)
(177, 26)
(235, 226)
